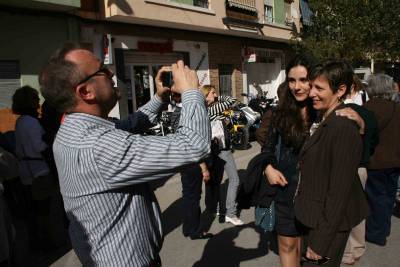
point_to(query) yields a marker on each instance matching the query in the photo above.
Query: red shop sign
(155, 47)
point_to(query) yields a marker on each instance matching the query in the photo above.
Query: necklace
(314, 127)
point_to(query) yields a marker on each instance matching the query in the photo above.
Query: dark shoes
(202, 235)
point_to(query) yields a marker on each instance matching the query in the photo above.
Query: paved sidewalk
(234, 246)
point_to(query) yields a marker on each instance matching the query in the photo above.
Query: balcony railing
(248, 5)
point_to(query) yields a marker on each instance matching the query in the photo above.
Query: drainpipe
(372, 66)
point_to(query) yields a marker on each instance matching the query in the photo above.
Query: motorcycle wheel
(240, 142)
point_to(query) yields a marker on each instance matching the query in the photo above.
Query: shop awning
(249, 5)
(306, 13)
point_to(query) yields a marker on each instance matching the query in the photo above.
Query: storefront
(264, 70)
(136, 61)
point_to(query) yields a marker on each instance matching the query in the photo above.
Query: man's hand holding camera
(178, 78)
(184, 78)
(162, 89)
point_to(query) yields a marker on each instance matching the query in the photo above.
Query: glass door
(141, 85)
(140, 82)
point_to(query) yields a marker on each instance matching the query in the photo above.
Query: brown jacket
(261, 132)
(387, 152)
(330, 197)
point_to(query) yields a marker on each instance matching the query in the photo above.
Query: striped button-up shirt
(104, 174)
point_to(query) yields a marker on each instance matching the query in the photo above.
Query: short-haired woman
(329, 200)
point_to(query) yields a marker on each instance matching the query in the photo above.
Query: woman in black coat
(329, 200)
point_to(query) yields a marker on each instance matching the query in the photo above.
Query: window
(199, 3)
(288, 13)
(225, 79)
(10, 80)
(268, 11)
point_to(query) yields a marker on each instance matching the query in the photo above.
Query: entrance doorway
(140, 82)
(140, 71)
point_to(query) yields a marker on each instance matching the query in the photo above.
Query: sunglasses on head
(103, 70)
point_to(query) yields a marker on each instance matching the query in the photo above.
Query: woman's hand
(205, 172)
(206, 176)
(352, 115)
(274, 176)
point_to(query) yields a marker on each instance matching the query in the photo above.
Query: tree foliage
(356, 30)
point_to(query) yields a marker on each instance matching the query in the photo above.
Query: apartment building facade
(240, 46)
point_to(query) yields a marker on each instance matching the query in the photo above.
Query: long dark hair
(288, 118)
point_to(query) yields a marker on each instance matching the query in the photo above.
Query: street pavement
(231, 246)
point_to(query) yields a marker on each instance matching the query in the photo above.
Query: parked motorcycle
(260, 105)
(235, 122)
(163, 125)
(241, 118)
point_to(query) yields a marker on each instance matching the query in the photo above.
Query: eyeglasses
(103, 70)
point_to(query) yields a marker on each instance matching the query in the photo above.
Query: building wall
(30, 38)
(222, 49)
(186, 16)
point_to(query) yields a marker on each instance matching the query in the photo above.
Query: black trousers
(381, 191)
(192, 180)
(213, 196)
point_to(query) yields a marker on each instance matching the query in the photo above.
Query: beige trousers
(355, 246)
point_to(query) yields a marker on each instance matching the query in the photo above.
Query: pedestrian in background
(34, 171)
(8, 170)
(192, 177)
(356, 246)
(223, 160)
(105, 172)
(384, 165)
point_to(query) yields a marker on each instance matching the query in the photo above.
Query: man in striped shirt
(105, 172)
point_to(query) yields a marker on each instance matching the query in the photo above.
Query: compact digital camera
(167, 79)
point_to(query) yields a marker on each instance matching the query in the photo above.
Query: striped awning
(249, 5)
(306, 13)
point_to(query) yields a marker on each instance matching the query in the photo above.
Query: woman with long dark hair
(287, 133)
